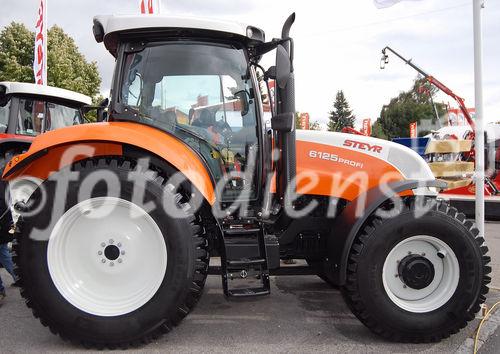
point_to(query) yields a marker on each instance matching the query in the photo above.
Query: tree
(409, 106)
(66, 66)
(377, 130)
(312, 125)
(16, 53)
(341, 116)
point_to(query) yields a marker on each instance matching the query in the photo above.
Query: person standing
(6, 260)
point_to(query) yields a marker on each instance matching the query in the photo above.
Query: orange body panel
(341, 173)
(106, 139)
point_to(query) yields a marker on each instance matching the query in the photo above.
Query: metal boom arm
(432, 80)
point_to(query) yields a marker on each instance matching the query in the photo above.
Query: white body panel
(118, 23)
(407, 161)
(48, 91)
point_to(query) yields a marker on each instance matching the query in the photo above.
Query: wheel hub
(112, 252)
(416, 271)
(420, 273)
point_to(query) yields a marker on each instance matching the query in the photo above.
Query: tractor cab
(195, 79)
(29, 110)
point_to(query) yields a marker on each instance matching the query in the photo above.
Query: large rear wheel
(414, 278)
(108, 268)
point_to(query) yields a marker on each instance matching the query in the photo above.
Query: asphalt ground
(303, 314)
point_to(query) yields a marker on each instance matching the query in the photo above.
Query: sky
(337, 44)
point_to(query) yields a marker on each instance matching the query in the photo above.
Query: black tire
(185, 275)
(366, 296)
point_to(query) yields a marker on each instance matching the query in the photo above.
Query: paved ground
(303, 314)
(492, 345)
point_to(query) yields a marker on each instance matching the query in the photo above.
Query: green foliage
(16, 53)
(377, 130)
(66, 66)
(341, 116)
(312, 125)
(409, 106)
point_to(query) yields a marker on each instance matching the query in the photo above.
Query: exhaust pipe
(285, 104)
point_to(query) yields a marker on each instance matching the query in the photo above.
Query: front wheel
(414, 278)
(110, 266)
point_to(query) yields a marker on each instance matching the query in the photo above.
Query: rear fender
(349, 223)
(54, 150)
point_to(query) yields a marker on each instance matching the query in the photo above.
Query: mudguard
(47, 152)
(348, 223)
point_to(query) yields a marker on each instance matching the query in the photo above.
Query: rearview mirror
(283, 66)
(242, 96)
(102, 115)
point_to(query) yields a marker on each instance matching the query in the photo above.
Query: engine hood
(364, 162)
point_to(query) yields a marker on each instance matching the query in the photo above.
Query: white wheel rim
(435, 294)
(79, 247)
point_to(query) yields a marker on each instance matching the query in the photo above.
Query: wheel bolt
(409, 252)
(111, 241)
(119, 244)
(103, 260)
(99, 253)
(103, 244)
(111, 264)
(122, 252)
(404, 286)
(396, 275)
(423, 254)
(119, 260)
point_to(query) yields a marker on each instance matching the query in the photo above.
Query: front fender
(349, 223)
(47, 152)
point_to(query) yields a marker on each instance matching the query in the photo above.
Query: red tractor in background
(27, 110)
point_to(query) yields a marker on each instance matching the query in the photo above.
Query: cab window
(202, 93)
(4, 116)
(35, 116)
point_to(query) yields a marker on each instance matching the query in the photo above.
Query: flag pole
(478, 5)
(46, 39)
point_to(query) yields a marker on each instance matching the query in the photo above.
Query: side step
(247, 268)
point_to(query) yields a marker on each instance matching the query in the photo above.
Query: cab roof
(24, 88)
(108, 29)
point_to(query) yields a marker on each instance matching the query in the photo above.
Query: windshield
(201, 93)
(4, 116)
(37, 116)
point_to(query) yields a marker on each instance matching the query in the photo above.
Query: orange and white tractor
(118, 220)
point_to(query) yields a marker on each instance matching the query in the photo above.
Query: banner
(457, 118)
(382, 4)
(150, 6)
(367, 127)
(413, 130)
(40, 61)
